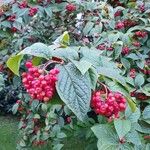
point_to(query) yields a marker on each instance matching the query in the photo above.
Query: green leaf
(48, 11)
(132, 104)
(108, 139)
(36, 61)
(118, 49)
(22, 143)
(74, 89)
(133, 137)
(147, 146)
(37, 49)
(34, 105)
(125, 63)
(132, 116)
(133, 56)
(122, 127)
(93, 77)
(105, 131)
(58, 147)
(111, 73)
(61, 135)
(139, 80)
(88, 27)
(142, 127)
(2, 81)
(146, 112)
(44, 107)
(63, 40)
(113, 37)
(66, 53)
(82, 65)
(94, 57)
(13, 63)
(37, 116)
(15, 108)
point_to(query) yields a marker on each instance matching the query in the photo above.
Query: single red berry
(14, 29)
(28, 64)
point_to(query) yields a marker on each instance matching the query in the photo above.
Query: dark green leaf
(108, 139)
(146, 112)
(133, 137)
(139, 80)
(15, 108)
(132, 116)
(82, 65)
(66, 53)
(111, 73)
(74, 89)
(122, 127)
(88, 27)
(93, 76)
(37, 49)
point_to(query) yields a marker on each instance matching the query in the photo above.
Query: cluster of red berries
(125, 50)
(39, 143)
(141, 34)
(129, 23)
(136, 44)
(118, 13)
(132, 73)
(145, 71)
(109, 107)
(23, 4)
(142, 8)
(39, 85)
(20, 107)
(33, 11)
(103, 47)
(139, 96)
(58, 1)
(124, 24)
(11, 18)
(70, 7)
(120, 25)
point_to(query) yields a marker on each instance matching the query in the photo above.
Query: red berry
(14, 29)
(70, 7)
(28, 64)
(68, 120)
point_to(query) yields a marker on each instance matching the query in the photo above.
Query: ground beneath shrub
(9, 134)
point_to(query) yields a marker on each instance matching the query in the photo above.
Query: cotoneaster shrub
(103, 80)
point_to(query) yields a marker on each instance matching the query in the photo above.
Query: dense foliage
(85, 69)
